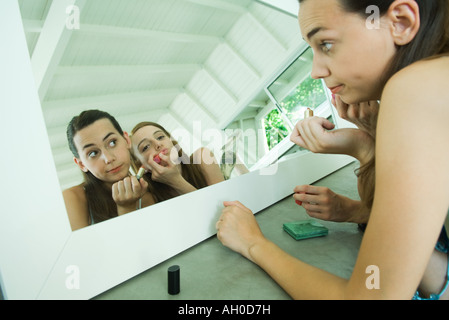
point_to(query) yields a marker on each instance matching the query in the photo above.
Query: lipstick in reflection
(308, 113)
(140, 173)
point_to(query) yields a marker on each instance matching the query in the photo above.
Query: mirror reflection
(106, 155)
(295, 91)
(101, 149)
(168, 170)
(193, 67)
(289, 97)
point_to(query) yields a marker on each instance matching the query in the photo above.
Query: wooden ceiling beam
(53, 40)
(221, 5)
(127, 69)
(33, 26)
(147, 33)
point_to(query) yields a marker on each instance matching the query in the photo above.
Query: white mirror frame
(40, 255)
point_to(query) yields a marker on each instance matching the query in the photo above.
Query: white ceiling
(169, 61)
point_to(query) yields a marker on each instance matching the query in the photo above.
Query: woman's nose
(108, 157)
(158, 145)
(319, 69)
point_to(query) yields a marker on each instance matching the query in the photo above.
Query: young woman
(170, 172)
(404, 63)
(102, 151)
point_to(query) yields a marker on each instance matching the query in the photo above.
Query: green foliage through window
(275, 129)
(308, 94)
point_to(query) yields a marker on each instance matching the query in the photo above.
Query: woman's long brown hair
(190, 170)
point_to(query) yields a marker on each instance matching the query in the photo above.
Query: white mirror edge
(33, 230)
(39, 251)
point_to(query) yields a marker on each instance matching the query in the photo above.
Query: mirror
(193, 72)
(41, 257)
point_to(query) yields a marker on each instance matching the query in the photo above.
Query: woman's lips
(115, 170)
(156, 158)
(336, 89)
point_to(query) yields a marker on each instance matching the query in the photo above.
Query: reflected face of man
(148, 142)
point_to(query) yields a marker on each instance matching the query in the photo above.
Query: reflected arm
(209, 166)
(76, 205)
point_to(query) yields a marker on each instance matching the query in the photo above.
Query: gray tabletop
(211, 271)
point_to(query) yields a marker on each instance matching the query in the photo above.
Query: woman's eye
(326, 47)
(112, 143)
(145, 148)
(160, 137)
(92, 154)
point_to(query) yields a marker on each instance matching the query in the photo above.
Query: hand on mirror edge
(238, 229)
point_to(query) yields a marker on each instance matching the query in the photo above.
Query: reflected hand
(363, 115)
(238, 229)
(127, 192)
(163, 170)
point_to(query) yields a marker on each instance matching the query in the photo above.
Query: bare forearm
(355, 212)
(362, 146)
(183, 187)
(298, 279)
(124, 209)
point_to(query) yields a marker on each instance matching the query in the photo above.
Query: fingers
(156, 166)
(310, 200)
(163, 158)
(231, 210)
(160, 165)
(296, 137)
(357, 110)
(309, 133)
(312, 197)
(342, 108)
(237, 204)
(143, 184)
(128, 189)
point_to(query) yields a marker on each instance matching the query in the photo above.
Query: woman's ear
(80, 164)
(128, 139)
(404, 21)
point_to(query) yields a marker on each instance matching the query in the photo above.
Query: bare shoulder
(77, 209)
(422, 85)
(203, 156)
(75, 193)
(209, 165)
(431, 73)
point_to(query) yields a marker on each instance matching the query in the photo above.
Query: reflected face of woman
(148, 142)
(348, 55)
(103, 151)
